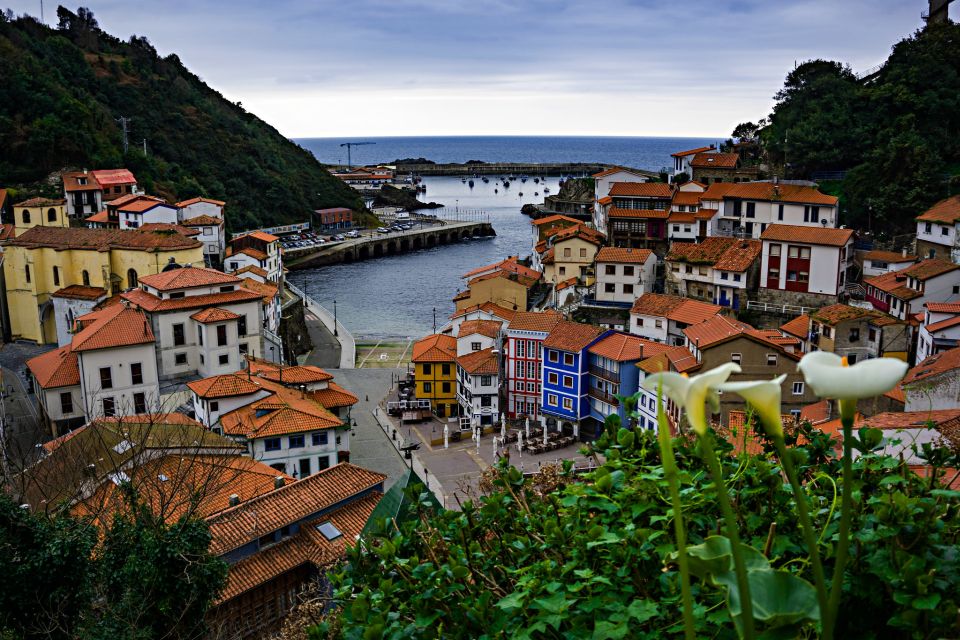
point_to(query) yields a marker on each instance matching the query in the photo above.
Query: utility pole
(124, 121)
(144, 146)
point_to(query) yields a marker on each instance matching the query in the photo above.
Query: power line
(124, 121)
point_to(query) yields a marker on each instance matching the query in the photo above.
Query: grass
(383, 354)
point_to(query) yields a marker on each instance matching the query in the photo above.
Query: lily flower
(830, 377)
(693, 393)
(764, 397)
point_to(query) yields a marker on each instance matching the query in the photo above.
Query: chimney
(234, 499)
(904, 252)
(278, 482)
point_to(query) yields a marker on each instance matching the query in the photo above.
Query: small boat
(506, 183)
(523, 178)
(463, 178)
(485, 179)
(496, 190)
(520, 194)
(536, 180)
(536, 193)
(546, 189)
(470, 184)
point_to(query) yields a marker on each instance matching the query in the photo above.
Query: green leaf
(642, 610)
(512, 601)
(926, 602)
(609, 631)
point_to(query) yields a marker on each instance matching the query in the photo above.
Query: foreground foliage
(593, 556)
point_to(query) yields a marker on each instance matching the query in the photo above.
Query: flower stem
(809, 535)
(746, 604)
(671, 473)
(847, 414)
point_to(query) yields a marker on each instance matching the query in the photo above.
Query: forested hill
(62, 90)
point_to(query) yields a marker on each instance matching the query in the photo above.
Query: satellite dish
(823, 222)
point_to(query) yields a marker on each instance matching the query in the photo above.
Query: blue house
(564, 399)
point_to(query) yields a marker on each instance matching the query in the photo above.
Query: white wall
(878, 267)
(642, 280)
(649, 329)
(201, 209)
(208, 411)
(50, 399)
(824, 266)
(944, 234)
(291, 457)
(161, 213)
(119, 360)
(465, 343)
(65, 311)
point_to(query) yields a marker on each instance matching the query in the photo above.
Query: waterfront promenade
(316, 311)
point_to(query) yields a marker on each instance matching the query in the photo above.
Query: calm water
(396, 296)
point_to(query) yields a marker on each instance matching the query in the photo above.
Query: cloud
(416, 67)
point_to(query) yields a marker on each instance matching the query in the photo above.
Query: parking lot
(315, 239)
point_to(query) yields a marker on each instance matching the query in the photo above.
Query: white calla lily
(764, 397)
(693, 393)
(830, 377)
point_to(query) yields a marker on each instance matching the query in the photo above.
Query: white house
(903, 293)
(748, 208)
(602, 182)
(205, 321)
(721, 270)
(86, 192)
(478, 335)
(624, 274)
(207, 217)
(256, 249)
(478, 384)
(934, 383)
(662, 318)
(682, 160)
(69, 304)
(940, 330)
(255, 279)
(877, 262)
(804, 265)
(145, 209)
(938, 230)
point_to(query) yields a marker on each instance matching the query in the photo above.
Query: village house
(108, 369)
(602, 181)
(637, 215)
(682, 162)
(206, 216)
(938, 230)
(255, 279)
(69, 303)
(544, 229)
(623, 275)
(804, 266)
(204, 320)
(570, 254)
(366, 177)
(904, 432)
(478, 385)
(662, 318)
(564, 400)
(333, 219)
(877, 262)
(686, 222)
(435, 373)
(485, 311)
(504, 288)
(903, 293)
(257, 249)
(711, 167)
(724, 271)
(523, 350)
(676, 359)
(857, 333)
(39, 212)
(940, 329)
(934, 383)
(749, 208)
(86, 192)
(798, 328)
(44, 260)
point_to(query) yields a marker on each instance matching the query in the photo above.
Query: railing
(606, 374)
(348, 346)
(782, 309)
(603, 396)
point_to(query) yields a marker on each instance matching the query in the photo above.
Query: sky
(317, 68)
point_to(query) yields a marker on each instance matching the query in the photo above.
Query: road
(326, 348)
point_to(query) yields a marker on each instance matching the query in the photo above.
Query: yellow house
(44, 260)
(571, 255)
(40, 212)
(509, 290)
(435, 371)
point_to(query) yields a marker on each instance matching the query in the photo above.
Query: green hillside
(61, 91)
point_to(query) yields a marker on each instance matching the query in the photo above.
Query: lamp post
(335, 334)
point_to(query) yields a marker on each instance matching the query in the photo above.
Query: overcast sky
(487, 67)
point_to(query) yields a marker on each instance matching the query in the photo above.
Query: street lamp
(335, 334)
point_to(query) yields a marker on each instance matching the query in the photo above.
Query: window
(200, 334)
(566, 252)
(242, 325)
(553, 356)
(751, 209)
(224, 358)
(109, 407)
(780, 212)
(628, 288)
(956, 288)
(323, 462)
(568, 359)
(804, 253)
(136, 373)
(486, 401)
(568, 382)
(688, 269)
(610, 287)
(214, 406)
(221, 335)
(552, 378)
(180, 358)
(793, 252)
(563, 271)
(56, 276)
(803, 276)
(139, 403)
(304, 467)
(427, 369)
(610, 270)
(66, 403)
(775, 250)
(271, 444)
(26, 218)
(773, 274)
(296, 442)
(85, 277)
(736, 357)
(798, 388)
(658, 324)
(226, 288)
(736, 277)
(132, 279)
(319, 439)
(178, 336)
(792, 276)
(568, 404)
(427, 387)
(583, 253)
(872, 335)
(106, 378)
(552, 399)
(944, 231)
(855, 334)
(772, 359)
(26, 271)
(475, 346)
(724, 275)
(445, 387)
(851, 358)
(177, 295)
(445, 369)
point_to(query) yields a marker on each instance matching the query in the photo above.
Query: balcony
(603, 396)
(604, 374)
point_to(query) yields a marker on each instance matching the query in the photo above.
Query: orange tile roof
(706, 252)
(224, 386)
(741, 433)
(708, 159)
(571, 336)
(187, 203)
(799, 326)
(251, 268)
(248, 521)
(435, 348)
(283, 412)
(71, 181)
(888, 256)
(929, 268)
(623, 256)
(817, 412)
(897, 394)
(605, 200)
(566, 284)
(934, 365)
(686, 198)
(40, 202)
(553, 219)
(287, 374)
(80, 292)
(655, 304)
(8, 230)
(114, 326)
(57, 368)
(624, 347)
(946, 211)
(484, 362)
(808, 235)
(943, 307)
(202, 221)
(769, 191)
(110, 177)
(677, 359)
(740, 256)
(714, 330)
(268, 290)
(150, 302)
(265, 237)
(167, 226)
(836, 313)
(142, 204)
(693, 311)
(717, 191)
(705, 214)
(489, 328)
(894, 283)
(334, 396)
(100, 217)
(642, 189)
(525, 281)
(543, 321)
(691, 152)
(213, 314)
(510, 265)
(102, 239)
(909, 419)
(651, 214)
(256, 254)
(489, 307)
(580, 231)
(613, 170)
(681, 217)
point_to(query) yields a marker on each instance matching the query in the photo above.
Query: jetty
(376, 246)
(515, 169)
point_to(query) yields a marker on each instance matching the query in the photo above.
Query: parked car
(383, 230)
(339, 237)
(353, 234)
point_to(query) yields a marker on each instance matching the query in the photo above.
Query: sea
(400, 297)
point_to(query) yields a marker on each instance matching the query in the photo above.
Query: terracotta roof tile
(484, 362)
(523, 280)
(580, 231)
(934, 365)
(623, 347)
(799, 326)
(946, 211)
(283, 412)
(213, 314)
(101, 217)
(224, 386)
(605, 200)
(677, 359)
(943, 307)
(693, 311)
(808, 235)
(489, 328)
(717, 191)
(539, 222)
(265, 237)
(510, 265)
(623, 256)
(740, 256)
(647, 214)
(681, 217)
(250, 268)
(80, 292)
(71, 181)
(202, 221)
(930, 268)
(613, 170)
(708, 159)
(188, 277)
(150, 302)
(256, 254)
(543, 321)
(656, 304)
(102, 239)
(488, 307)
(571, 336)
(111, 177)
(686, 198)
(187, 203)
(706, 252)
(57, 368)
(889, 256)
(166, 226)
(8, 230)
(114, 326)
(435, 348)
(268, 290)
(287, 374)
(691, 152)
(714, 330)
(334, 396)
(768, 191)
(642, 189)
(836, 313)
